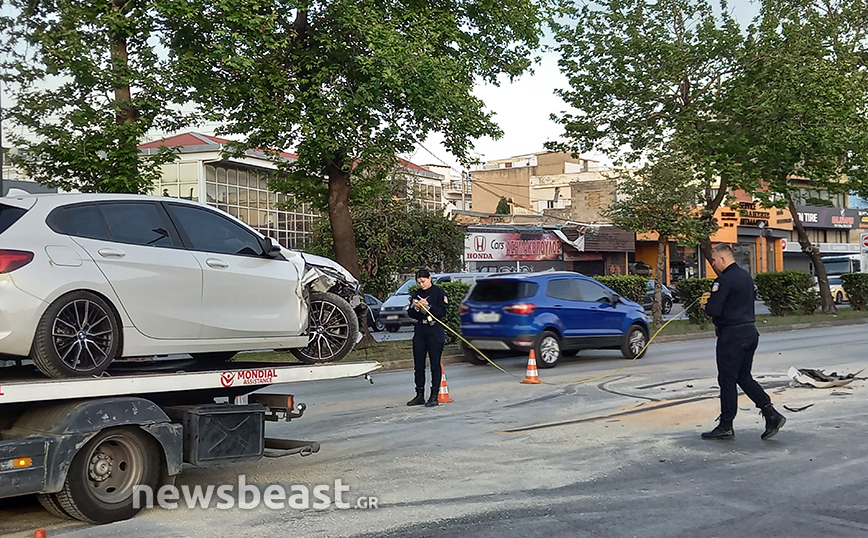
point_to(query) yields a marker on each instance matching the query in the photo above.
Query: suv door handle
(214, 262)
(111, 253)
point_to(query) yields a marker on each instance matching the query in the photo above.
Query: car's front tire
(547, 349)
(634, 343)
(393, 328)
(333, 329)
(666, 306)
(77, 336)
(839, 298)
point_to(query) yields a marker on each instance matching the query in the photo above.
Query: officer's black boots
(774, 421)
(419, 399)
(722, 431)
(432, 400)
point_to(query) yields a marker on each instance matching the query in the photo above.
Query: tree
(645, 73)
(799, 108)
(393, 237)
(662, 198)
(87, 85)
(349, 84)
(503, 206)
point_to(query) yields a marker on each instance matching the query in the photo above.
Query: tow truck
(83, 445)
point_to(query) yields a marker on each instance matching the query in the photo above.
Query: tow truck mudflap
(22, 466)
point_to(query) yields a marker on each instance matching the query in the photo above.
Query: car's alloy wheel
(634, 342)
(839, 298)
(333, 328)
(78, 335)
(379, 325)
(666, 306)
(548, 350)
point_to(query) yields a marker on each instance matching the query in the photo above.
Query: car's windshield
(405, 287)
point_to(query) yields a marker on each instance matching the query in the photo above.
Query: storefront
(757, 236)
(591, 250)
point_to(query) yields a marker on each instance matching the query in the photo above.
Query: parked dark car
(673, 291)
(553, 313)
(665, 299)
(374, 307)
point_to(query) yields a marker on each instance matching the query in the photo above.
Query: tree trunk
(814, 253)
(657, 307)
(342, 230)
(126, 112)
(710, 207)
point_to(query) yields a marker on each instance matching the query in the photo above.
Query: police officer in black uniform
(429, 335)
(731, 306)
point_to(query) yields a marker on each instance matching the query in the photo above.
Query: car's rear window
(496, 290)
(8, 216)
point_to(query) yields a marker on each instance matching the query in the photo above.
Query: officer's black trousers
(735, 349)
(428, 339)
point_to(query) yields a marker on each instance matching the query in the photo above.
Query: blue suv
(553, 313)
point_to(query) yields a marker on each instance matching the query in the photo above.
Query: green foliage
(856, 287)
(87, 85)
(349, 84)
(632, 287)
(690, 290)
(661, 197)
(503, 206)
(795, 111)
(641, 72)
(787, 293)
(394, 237)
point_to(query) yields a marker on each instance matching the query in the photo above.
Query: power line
(525, 207)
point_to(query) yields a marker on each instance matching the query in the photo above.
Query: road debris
(819, 379)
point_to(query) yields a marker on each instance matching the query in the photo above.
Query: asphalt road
(618, 456)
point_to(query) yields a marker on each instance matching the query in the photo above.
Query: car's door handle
(214, 262)
(111, 253)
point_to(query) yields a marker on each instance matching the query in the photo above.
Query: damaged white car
(86, 279)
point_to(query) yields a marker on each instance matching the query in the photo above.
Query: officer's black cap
(423, 273)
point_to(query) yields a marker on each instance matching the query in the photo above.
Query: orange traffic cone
(532, 375)
(40, 533)
(443, 395)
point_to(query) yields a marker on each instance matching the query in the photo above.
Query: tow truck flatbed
(20, 386)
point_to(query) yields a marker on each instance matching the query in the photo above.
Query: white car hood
(319, 261)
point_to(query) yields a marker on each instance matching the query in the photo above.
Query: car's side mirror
(615, 299)
(272, 247)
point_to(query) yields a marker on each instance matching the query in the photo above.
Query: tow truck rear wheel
(333, 328)
(103, 474)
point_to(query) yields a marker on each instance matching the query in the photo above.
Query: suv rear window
(496, 290)
(8, 216)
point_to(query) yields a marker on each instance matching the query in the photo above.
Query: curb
(407, 364)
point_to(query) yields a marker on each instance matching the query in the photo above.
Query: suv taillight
(463, 309)
(520, 308)
(11, 260)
